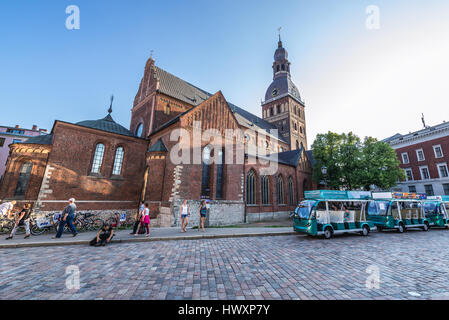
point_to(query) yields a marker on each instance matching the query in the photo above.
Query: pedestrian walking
(184, 211)
(104, 235)
(138, 217)
(6, 209)
(22, 219)
(67, 217)
(145, 221)
(203, 214)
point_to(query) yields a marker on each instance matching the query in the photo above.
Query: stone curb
(142, 239)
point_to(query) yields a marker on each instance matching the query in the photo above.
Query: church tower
(283, 106)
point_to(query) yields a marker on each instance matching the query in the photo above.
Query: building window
(205, 177)
(408, 174)
(15, 131)
(438, 151)
(281, 149)
(139, 130)
(280, 190)
(446, 189)
(429, 189)
(278, 109)
(98, 158)
(278, 68)
(424, 173)
(442, 169)
(405, 159)
(24, 176)
(118, 161)
(167, 109)
(250, 188)
(412, 189)
(283, 67)
(2, 142)
(271, 112)
(420, 155)
(291, 198)
(220, 171)
(297, 144)
(265, 190)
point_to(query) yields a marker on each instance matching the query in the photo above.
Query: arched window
(98, 158)
(167, 109)
(271, 112)
(205, 176)
(296, 127)
(277, 68)
(278, 109)
(251, 188)
(280, 190)
(283, 67)
(24, 176)
(265, 190)
(139, 130)
(118, 161)
(220, 174)
(291, 197)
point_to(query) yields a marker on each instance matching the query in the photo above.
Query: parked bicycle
(120, 220)
(48, 222)
(87, 221)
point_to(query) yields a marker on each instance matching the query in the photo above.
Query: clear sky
(371, 82)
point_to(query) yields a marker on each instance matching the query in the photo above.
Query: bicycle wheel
(7, 226)
(96, 224)
(35, 230)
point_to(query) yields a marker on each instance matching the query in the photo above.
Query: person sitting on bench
(104, 235)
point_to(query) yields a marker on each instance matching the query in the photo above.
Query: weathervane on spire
(151, 54)
(110, 107)
(279, 33)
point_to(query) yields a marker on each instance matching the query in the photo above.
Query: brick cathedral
(109, 168)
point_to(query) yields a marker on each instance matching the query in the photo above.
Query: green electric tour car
(400, 211)
(328, 212)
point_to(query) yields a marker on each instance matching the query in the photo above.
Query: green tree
(352, 164)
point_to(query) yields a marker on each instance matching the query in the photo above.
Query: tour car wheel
(426, 226)
(327, 233)
(401, 228)
(365, 231)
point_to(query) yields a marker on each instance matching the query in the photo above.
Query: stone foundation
(220, 213)
(266, 216)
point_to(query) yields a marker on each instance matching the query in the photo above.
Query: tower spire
(279, 35)
(110, 106)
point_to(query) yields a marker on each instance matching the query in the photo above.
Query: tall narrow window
(291, 197)
(24, 176)
(139, 130)
(205, 176)
(219, 193)
(280, 190)
(118, 161)
(98, 158)
(251, 188)
(265, 190)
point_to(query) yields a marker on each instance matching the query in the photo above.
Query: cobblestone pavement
(413, 265)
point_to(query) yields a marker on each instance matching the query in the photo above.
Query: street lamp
(324, 172)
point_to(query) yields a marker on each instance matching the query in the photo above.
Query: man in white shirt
(6, 208)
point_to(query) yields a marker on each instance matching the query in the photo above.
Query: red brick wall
(71, 158)
(19, 154)
(429, 155)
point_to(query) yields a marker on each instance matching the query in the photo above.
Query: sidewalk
(156, 234)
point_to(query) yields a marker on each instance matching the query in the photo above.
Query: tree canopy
(353, 164)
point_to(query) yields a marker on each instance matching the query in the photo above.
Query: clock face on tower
(275, 92)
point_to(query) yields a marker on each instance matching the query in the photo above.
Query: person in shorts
(203, 214)
(145, 221)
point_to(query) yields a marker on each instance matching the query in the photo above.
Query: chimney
(17, 126)
(34, 127)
